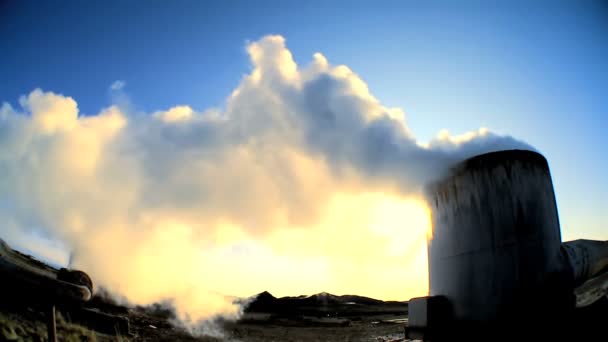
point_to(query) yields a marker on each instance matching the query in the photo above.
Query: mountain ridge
(321, 304)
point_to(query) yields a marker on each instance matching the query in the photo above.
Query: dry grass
(15, 328)
(358, 332)
(30, 326)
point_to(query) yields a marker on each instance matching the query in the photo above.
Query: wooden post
(50, 324)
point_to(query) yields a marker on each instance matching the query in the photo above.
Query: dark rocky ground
(322, 317)
(30, 288)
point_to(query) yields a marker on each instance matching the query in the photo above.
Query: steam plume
(196, 205)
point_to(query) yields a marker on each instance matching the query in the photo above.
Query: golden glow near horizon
(365, 243)
(369, 243)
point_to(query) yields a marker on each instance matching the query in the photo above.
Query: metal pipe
(587, 258)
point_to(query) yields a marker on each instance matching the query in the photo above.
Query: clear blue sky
(536, 71)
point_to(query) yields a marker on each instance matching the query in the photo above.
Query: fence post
(51, 325)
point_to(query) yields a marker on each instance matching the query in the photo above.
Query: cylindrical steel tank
(496, 236)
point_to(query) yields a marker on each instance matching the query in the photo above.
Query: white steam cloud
(117, 85)
(173, 204)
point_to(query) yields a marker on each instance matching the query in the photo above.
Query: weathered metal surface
(587, 258)
(496, 237)
(428, 318)
(588, 262)
(592, 290)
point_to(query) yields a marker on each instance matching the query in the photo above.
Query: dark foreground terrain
(32, 291)
(322, 317)
(28, 292)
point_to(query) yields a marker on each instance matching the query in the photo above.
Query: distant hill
(322, 304)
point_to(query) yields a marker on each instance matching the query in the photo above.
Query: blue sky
(536, 71)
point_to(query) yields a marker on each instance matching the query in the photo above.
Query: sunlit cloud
(303, 182)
